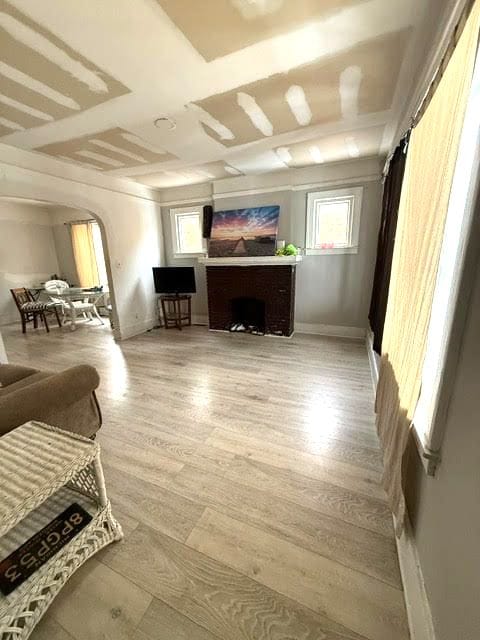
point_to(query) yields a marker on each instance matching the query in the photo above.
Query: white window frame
(174, 213)
(356, 196)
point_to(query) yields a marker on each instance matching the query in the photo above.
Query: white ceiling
(316, 81)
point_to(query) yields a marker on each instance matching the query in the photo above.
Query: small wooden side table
(177, 311)
(43, 471)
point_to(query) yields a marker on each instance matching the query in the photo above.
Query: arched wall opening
(130, 220)
(12, 194)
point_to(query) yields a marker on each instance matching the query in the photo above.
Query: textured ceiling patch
(110, 149)
(358, 81)
(209, 121)
(297, 102)
(219, 27)
(332, 148)
(350, 81)
(189, 175)
(255, 113)
(41, 74)
(9, 126)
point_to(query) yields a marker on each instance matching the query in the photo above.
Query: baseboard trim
(416, 601)
(135, 329)
(355, 333)
(200, 319)
(7, 319)
(337, 331)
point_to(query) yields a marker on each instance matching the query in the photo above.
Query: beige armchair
(66, 400)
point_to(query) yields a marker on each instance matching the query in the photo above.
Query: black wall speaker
(207, 220)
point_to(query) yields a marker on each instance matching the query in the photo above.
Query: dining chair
(31, 309)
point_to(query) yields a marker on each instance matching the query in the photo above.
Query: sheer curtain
(99, 254)
(84, 253)
(431, 160)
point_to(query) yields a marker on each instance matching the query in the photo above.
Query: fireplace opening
(248, 315)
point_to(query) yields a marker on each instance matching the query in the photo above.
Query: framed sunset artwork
(244, 232)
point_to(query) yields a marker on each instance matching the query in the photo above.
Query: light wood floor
(246, 474)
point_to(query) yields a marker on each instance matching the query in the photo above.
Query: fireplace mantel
(251, 261)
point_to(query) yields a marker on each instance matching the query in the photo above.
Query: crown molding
(40, 163)
(298, 187)
(405, 111)
(200, 201)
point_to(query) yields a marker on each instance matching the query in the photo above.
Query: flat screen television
(174, 280)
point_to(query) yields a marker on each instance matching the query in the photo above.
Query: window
(448, 308)
(187, 232)
(333, 221)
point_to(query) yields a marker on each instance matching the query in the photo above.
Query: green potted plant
(287, 250)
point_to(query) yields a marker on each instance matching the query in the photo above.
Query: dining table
(94, 295)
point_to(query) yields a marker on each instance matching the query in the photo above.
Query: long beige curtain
(432, 156)
(84, 253)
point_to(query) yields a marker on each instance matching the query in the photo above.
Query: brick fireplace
(267, 287)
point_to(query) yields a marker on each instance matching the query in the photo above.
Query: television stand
(176, 310)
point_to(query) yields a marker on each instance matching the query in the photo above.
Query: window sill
(186, 256)
(430, 459)
(330, 252)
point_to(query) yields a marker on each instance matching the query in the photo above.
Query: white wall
(336, 289)
(331, 290)
(129, 214)
(445, 509)
(27, 252)
(3, 353)
(199, 300)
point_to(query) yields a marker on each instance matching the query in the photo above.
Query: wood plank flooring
(246, 474)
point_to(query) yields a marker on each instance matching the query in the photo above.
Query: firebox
(248, 314)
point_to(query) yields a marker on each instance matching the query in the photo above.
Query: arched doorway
(77, 212)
